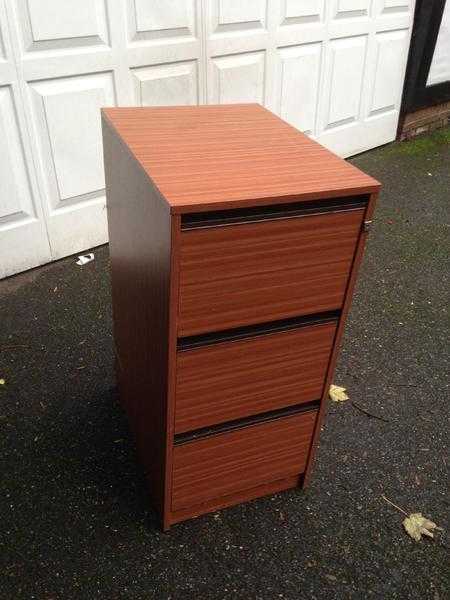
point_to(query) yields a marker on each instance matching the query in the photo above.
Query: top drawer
(235, 274)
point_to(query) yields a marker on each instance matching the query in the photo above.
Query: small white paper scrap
(85, 258)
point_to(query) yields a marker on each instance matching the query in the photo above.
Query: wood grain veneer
(264, 489)
(231, 380)
(256, 272)
(357, 259)
(209, 157)
(140, 281)
(224, 221)
(228, 462)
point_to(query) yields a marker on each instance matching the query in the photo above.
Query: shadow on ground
(75, 517)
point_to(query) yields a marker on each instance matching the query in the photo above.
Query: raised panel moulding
(235, 16)
(346, 71)
(68, 123)
(352, 8)
(294, 12)
(16, 202)
(239, 78)
(167, 85)
(48, 25)
(393, 6)
(387, 86)
(159, 20)
(298, 82)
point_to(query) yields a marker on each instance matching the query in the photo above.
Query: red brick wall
(425, 120)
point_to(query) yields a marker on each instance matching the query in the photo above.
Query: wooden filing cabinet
(235, 242)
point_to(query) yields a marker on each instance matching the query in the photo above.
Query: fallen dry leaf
(337, 393)
(416, 526)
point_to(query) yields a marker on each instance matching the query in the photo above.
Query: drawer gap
(184, 438)
(274, 211)
(250, 331)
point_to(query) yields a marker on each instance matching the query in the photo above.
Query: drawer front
(226, 463)
(248, 273)
(235, 379)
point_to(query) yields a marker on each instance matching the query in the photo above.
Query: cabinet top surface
(228, 156)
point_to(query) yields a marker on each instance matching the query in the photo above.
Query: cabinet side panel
(139, 241)
(357, 259)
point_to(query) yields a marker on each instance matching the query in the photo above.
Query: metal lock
(367, 226)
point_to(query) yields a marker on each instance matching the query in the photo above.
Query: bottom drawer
(225, 463)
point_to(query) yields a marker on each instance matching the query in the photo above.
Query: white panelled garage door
(332, 68)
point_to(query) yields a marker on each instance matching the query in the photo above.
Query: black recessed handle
(251, 331)
(254, 214)
(197, 434)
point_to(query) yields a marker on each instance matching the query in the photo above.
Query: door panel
(238, 78)
(69, 147)
(167, 85)
(298, 78)
(346, 69)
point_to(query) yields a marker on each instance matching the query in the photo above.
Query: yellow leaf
(337, 393)
(2, 382)
(416, 526)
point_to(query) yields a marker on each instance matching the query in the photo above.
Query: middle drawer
(234, 379)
